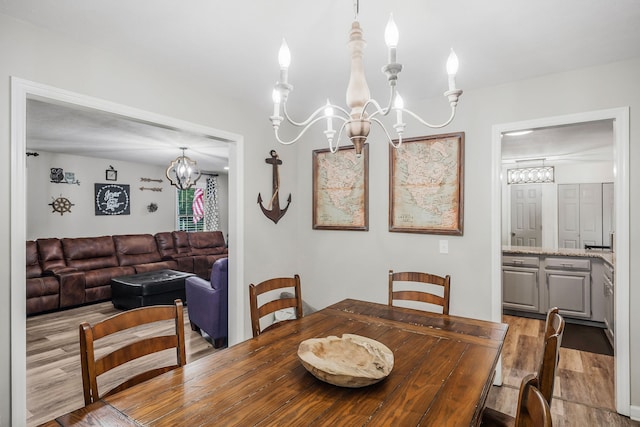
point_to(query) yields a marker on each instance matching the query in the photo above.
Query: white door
(526, 227)
(590, 214)
(568, 215)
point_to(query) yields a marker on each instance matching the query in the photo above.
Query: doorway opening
(620, 120)
(21, 91)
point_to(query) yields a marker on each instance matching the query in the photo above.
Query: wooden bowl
(349, 361)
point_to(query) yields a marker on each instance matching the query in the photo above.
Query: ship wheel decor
(61, 205)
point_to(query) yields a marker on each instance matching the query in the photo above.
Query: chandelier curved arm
(387, 133)
(380, 110)
(306, 128)
(333, 149)
(313, 117)
(415, 116)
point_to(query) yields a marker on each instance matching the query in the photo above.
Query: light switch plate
(444, 246)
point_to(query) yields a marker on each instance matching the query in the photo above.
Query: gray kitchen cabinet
(568, 286)
(520, 285)
(609, 303)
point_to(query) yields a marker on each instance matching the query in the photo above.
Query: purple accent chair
(208, 303)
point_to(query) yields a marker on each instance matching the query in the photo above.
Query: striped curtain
(211, 210)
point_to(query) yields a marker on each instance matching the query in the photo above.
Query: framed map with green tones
(341, 189)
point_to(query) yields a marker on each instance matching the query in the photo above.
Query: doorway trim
(21, 90)
(620, 118)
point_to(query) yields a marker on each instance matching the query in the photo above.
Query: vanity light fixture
(533, 175)
(357, 122)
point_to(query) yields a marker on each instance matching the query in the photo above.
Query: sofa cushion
(165, 244)
(155, 266)
(103, 276)
(42, 294)
(42, 286)
(90, 253)
(181, 242)
(33, 266)
(51, 254)
(206, 242)
(133, 249)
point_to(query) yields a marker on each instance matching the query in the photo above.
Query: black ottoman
(151, 288)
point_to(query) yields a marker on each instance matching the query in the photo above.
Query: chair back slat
(92, 368)
(424, 296)
(275, 304)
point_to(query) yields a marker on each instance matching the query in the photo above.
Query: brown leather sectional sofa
(68, 272)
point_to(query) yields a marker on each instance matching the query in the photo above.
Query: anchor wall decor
(273, 211)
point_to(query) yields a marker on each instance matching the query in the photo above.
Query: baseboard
(634, 412)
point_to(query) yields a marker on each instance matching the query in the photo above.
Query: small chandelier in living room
(183, 172)
(357, 122)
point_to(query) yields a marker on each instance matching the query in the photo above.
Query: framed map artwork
(341, 189)
(426, 177)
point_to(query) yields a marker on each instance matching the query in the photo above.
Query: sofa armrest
(200, 289)
(72, 288)
(59, 271)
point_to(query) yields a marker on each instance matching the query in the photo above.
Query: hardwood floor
(583, 396)
(584, 388)
(54, 381)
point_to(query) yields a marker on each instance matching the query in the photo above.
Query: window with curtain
(185, 211)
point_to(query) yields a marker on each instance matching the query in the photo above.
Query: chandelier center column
(357, 91)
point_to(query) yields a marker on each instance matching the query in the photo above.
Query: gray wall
(359, 261)
(37, 55)
(42, 221)
(82, 221)
(332, 264)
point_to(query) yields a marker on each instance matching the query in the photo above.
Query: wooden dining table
(443, 371)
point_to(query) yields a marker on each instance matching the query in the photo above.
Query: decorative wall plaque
(111, 174)
(61, 205)
(112, 199)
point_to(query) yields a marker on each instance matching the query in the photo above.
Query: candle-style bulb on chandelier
(356, 124)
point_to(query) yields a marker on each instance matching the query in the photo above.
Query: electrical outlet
(444, 246)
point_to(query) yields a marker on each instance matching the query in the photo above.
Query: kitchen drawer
(568, 263)
(520, 261)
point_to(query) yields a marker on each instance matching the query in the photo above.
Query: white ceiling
(575, 143)
(233, 44)
(86, 132)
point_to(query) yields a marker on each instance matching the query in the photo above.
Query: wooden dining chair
(275, 303)
(93, 367)
(554, 330)
(532, 409)
(545, 377)
(423, 296)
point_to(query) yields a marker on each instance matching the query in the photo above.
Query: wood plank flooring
(54, 381)
(584, 388)
(583, 394)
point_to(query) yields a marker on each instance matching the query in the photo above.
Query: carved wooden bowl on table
(348, 361)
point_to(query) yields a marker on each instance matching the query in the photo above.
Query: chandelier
(183, 172)
(357, 122)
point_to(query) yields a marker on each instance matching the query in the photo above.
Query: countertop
(608, 257)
